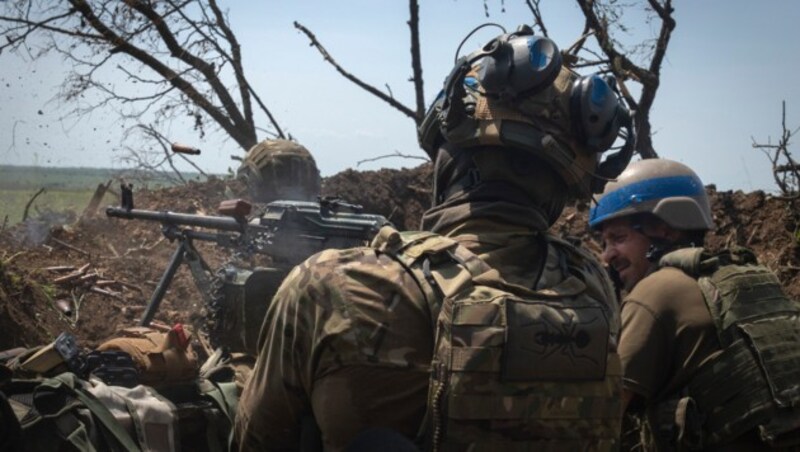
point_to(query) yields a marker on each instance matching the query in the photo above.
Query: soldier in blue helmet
(710, 344)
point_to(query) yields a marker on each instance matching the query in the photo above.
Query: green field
(65, 188)
(12, 202)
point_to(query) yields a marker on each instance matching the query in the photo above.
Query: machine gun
(287, 231)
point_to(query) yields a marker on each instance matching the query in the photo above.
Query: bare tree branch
(785, 170)
(625, 69)
(30, 201)
(245, 138)
(416, 63)
(150, 161)
(279, 131)
(395, 154)
(533, 5)
(369, 88)
(187, 46)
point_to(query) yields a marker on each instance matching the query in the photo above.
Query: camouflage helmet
(280, 169)
(515, 92)
(669, 190)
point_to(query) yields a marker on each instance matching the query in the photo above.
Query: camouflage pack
(513, 367)
(68, 413)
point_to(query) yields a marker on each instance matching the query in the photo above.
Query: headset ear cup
(594, 107)
(576, 109)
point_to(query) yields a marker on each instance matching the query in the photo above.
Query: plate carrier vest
(753, 382)
(515, 368)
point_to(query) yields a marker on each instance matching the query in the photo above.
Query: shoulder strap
(429, 257)
(689, 260)
(69, 383)
(697, 262)
(225, 396)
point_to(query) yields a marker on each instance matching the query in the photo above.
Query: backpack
(63, 411)
(753, 382)
(516, 368)
(67, 413)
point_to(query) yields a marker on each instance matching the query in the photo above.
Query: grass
(12, 202)
(65, 188)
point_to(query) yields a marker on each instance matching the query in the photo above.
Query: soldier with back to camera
(482, 331)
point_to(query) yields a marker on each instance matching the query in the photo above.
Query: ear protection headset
(597, 117)
(517, 65)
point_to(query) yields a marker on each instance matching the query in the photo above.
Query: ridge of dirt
(133, 254)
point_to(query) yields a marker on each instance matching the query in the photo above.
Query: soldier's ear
(654, 228)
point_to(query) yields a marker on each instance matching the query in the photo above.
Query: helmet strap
(659, 246)
(615, 163)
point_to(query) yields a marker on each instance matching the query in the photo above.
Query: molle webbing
(753, 382)
(730, 405)
(735, 294)
(494, 385)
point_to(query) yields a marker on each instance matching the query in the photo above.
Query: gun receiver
(288, 231)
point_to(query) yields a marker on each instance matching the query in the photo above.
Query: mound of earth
(95, 275)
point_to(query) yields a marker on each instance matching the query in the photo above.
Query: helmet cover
(280, 169)
(515, 92)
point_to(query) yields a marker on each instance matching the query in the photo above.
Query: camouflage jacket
(349, 337)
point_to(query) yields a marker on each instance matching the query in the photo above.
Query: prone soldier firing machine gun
(288, 232)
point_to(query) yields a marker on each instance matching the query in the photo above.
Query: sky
(729, 65)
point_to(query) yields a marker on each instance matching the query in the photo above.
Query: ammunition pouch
(676, 424)
(113, 367)
(161, 358)
(239, 304)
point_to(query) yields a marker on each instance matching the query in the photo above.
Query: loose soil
(132, 255)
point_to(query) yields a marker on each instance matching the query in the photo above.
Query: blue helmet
(669, 190)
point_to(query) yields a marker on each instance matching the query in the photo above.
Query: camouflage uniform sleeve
(274, 399)
(344, 319)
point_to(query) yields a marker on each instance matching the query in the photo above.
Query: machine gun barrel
(287, 231)
(179, 219)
